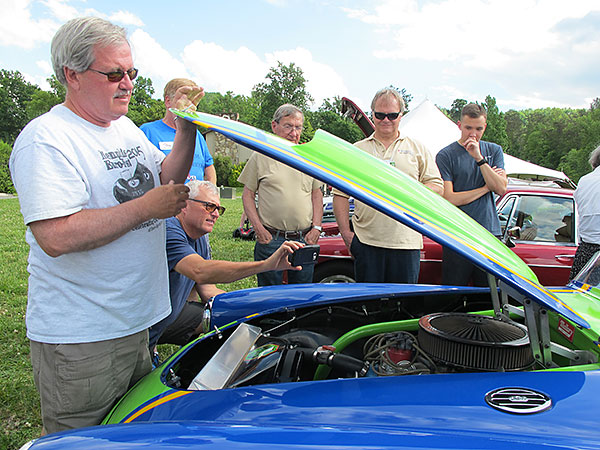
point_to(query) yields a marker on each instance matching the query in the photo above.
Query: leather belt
(296, 234)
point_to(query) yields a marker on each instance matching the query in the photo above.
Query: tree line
(557, 138)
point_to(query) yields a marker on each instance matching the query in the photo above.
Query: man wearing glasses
(192, 271)
(162, 134)
(384, 250)
(93, 191)
(290, 203)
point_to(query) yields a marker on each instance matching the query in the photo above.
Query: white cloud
(222, 70)
(322, 80)
(154, 61)
(61, 10)
(126, 18)
(481, 33)
(506, 48)
(21, 30)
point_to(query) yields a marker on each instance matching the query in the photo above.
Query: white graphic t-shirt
(60, 165)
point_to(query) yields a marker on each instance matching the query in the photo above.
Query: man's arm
(210, 271)
(210, 174)
(341, 210)
(463, 197)
(92, 228)
(208, 291)
(261, 233)
(317, 206)
(176, 165)
(435, 187)
(495, 178)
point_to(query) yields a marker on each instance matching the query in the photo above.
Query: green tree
(41, 102)
(455, 109)
(229, 104)
(575, 163)
(286, 84)
(6, 184)
(223, 167)
(496, 125)
(329, 118)
(142, 107)
(15, 93)
(58, 89)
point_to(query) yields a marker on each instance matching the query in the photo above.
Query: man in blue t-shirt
(192, 269)
(162, 134)
(472, 170)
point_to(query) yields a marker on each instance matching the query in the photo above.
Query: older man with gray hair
(192, 271)
(290, 203)
(93, 192)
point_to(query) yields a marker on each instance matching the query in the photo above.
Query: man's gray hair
(196, 185)
(74, 42)
(389, 92)
(286, 110)
(595, 158)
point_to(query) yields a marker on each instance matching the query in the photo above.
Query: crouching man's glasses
(117, 75)
(210, 207)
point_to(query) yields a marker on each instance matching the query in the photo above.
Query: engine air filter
(475, 342)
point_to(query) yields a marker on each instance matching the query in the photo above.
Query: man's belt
(295, 234)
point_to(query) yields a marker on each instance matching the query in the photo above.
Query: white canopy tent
(430, 126)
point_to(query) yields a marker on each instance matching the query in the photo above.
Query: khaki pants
(80, 383)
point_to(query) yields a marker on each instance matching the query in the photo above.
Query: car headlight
(27, 445)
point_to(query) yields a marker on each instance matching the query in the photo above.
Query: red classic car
(538, 223)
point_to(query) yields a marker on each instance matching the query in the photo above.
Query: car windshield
(590, 274)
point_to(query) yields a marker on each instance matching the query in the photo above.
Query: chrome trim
(518, 400)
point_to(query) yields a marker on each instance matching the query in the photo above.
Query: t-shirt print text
(121, 158)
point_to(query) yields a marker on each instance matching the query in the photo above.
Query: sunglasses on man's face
(391, 116)
(117, 75)
(210, 207)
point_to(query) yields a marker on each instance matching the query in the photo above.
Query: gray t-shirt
(457, 166)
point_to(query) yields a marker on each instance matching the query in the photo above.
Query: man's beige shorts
(80, 383)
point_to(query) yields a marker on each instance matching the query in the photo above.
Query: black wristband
(482, 162)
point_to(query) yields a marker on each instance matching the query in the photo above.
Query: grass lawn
(19, 401)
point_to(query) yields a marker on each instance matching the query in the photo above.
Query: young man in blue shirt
(472, 170)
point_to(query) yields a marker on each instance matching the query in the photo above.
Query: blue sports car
(375, 366)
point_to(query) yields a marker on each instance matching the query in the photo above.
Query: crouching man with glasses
(192, 272)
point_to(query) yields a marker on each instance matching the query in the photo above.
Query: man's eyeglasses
(391, 116)
(117, 75)
(288, 128)
(210, 207)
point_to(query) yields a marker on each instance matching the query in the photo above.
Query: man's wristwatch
(318, 228)
(482, 162)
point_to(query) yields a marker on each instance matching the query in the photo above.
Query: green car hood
(377, 184)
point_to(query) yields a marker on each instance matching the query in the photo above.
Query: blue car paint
(431, 411)
(231, 306)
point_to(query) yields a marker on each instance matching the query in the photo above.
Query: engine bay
(379, 337)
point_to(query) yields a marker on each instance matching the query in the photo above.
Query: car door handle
(565, 256)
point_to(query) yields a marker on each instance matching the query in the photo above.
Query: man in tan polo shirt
(290, 203)
(384, 250)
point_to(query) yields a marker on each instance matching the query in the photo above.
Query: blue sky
(525, 53)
